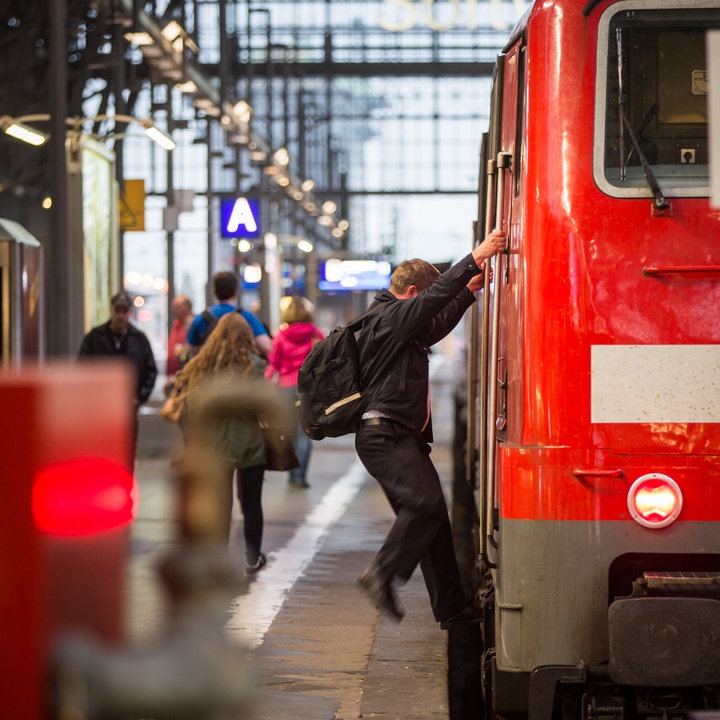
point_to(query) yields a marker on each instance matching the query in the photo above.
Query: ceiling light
(243, 111)
(23, 132)
(282, 157)
(158, 137)
(139, 38)
(187, 87)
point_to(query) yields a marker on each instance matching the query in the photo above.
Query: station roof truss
(331, 83)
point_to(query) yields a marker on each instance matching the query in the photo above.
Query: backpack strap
(357, 323)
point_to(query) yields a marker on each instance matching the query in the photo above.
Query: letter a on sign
(241, 216)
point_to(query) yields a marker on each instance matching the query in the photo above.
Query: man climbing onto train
(420, 308)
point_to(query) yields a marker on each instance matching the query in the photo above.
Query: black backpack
(331, 400)
(212, 321)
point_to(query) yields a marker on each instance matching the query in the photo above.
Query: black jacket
(134, 345)
(395, 342)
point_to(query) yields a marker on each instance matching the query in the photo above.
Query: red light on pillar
(83, 497)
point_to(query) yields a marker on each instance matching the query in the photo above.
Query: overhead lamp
(258, 155)
(243, 110)
(172, 31)
(329, 207)
(178, 38)
(282, 157)
(240, 138)
(203, 103)
(305, 245)
(343, 225)
(158, 137)
(187, 87)
(22, 132)
(308, 185)
(139, 38)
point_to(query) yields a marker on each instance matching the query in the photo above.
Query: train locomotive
(594, 369)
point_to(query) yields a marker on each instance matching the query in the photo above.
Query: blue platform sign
(240, 217)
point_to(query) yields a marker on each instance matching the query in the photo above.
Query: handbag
(173, 408)
(279, 447)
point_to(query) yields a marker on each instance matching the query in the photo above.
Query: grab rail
(504, 162)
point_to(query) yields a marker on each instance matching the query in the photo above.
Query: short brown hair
(416, 272)
(225, 285)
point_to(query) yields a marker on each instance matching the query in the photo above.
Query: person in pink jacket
(291, 345)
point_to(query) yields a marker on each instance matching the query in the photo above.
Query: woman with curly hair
(228, 358)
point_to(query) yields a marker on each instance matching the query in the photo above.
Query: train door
(499, 356)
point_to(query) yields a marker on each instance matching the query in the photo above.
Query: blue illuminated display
(240, 218)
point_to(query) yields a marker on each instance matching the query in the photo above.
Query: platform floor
(319, 649)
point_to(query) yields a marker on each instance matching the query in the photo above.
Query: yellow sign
(132, 206)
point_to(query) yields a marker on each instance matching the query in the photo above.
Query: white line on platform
(251, 615)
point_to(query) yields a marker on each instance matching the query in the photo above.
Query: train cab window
(651, 100)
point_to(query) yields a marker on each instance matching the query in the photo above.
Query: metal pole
(58, 295)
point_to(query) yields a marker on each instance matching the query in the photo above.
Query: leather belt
(370, 422)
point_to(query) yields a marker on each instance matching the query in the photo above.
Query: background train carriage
(594, 368)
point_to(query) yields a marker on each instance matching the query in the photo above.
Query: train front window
(651, 121)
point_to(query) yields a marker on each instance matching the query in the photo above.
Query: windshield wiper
(659, 201)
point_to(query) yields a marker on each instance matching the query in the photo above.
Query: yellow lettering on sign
(409, 16)
(461, 13)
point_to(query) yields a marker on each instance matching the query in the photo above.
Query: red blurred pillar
(63, 555)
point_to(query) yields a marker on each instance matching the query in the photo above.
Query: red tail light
(655, 500)
(83, 497)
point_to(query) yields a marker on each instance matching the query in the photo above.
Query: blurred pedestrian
(291, 345)
(181, 308)
(118, 337)
(225, 288)
(230, 357)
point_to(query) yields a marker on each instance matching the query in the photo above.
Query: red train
(594, 368)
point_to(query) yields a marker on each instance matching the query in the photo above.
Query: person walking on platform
(119, 338)
(420, 308)
(291, 346)
(225, 288)
(181, 307)
(228, 357)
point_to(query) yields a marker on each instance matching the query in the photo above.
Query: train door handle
(598, 473)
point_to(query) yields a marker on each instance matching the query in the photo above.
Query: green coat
(238, 440)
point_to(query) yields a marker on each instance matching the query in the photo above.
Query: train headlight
(654, 500)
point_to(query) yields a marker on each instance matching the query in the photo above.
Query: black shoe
(380, 593)
(257, 566)
(467, 616)
(302, 483)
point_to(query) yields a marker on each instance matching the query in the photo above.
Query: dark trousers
(249, 493)
(421, 534)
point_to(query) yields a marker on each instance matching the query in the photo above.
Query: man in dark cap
(119, 338)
